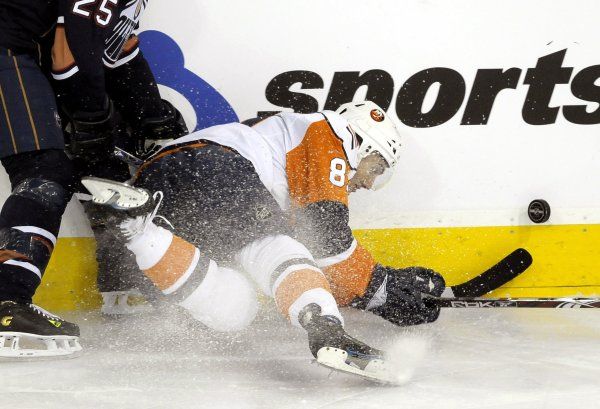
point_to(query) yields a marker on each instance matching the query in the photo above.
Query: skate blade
(375, 371)
(118, 195)
(60, 346)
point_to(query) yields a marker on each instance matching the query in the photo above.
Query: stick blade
(504, 271)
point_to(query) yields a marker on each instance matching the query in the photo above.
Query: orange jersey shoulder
(317, 169)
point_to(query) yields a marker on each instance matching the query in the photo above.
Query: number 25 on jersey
(102, 13)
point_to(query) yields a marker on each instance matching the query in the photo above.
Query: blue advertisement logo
(167, 62)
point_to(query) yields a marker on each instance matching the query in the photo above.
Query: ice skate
(335, 349)
(28, 331)
(120, 196)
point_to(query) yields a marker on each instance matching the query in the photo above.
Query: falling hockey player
(272, 200)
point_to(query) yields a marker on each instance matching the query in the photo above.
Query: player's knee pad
(48, 194)
(225, 301)
(37, 203)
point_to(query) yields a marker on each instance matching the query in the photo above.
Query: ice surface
(507, 359)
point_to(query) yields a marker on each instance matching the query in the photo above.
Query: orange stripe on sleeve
(350, 278)
(174, 264)
(296, 284)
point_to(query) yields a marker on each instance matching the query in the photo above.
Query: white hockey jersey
(304, 160)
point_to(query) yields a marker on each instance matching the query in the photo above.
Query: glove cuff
(378, 277)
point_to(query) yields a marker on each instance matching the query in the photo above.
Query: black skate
(123, 287)
(335, 349)
(34, 325)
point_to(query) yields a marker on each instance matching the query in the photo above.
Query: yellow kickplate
(566, 260)
(70, 279)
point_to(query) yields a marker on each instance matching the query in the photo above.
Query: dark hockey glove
(90, 136)
(151, 132)
(395, 294)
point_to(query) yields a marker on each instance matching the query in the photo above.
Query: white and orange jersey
(304, 160)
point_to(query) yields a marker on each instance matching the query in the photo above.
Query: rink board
(487, 124)
(565, 264)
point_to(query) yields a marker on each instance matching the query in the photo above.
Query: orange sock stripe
(6, 255)
(176, 261)
(350, 278)
(296, 284)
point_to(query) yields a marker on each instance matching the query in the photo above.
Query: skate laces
(44, 313)
(133, 227)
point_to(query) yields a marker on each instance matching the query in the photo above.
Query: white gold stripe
(38, 231)
(329, 261)
(289, 270)
(181, 280)
(66, 75)
(25, 265)
(122, 61)
(61, 20)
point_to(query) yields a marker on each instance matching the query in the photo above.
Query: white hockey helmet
(376, 129)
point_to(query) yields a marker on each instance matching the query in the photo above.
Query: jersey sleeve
(77, 66)
(317, 172)
(89, 42)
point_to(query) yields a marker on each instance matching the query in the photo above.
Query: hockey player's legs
(29, 224)
(220, 298)
(224, 301)
(30, 219)
(42, 180)
(285, 270)
(214, 198)
(120, 282)
(41, 175)
(118, 274)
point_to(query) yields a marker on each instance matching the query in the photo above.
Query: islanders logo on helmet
(377, 115)
(377, 133)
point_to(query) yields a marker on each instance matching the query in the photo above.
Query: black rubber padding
(508, 268)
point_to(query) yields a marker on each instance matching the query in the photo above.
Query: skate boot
(335, 349)
(117, 213)
(25, 325)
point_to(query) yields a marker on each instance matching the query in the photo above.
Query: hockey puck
(539, 211)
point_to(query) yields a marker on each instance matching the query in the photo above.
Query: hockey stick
(518, 302)
(504, 271)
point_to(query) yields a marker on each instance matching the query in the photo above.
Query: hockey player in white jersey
(272, 200)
